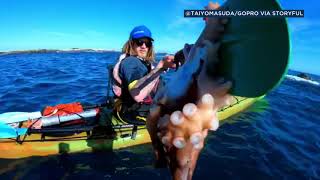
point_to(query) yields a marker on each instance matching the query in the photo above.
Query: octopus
(185, 109)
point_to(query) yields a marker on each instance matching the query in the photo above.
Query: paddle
(6, 131)
(255, 51)
(14, 117)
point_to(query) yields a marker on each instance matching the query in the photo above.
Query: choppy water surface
(278, 137)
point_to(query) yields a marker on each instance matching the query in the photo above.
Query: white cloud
(299, 25)
(188, 3)
(173, 43)
(182, 22)
(305, 36)
(80, 34)
(94, 34)
(170, 45)
(55, 34)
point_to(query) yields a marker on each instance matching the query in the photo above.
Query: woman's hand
(166, 62)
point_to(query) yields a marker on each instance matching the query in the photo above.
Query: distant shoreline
(35, 51)
(55, 51)
(77, 50)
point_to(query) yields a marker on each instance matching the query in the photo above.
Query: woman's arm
(141, 88)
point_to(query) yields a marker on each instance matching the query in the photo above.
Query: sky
(106, 24)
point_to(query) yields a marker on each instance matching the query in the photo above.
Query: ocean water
(276, 138)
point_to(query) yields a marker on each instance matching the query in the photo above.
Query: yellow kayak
(87, 139)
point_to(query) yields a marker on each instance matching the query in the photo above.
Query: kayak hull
(39, 145)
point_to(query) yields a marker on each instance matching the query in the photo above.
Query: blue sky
(106, 24)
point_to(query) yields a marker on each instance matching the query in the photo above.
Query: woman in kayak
(136, 79)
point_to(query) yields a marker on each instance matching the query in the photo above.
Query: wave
(296, 78)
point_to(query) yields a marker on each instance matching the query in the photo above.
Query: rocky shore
(55, 51)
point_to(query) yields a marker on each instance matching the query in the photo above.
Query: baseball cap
(140, 32)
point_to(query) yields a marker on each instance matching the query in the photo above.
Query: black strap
(109, 99)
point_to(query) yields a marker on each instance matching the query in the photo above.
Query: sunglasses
(140, 42)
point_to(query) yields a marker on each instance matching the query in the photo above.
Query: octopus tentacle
(186, 108)
(183, 128)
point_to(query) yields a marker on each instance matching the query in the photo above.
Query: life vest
(116, 80)
(128, 114)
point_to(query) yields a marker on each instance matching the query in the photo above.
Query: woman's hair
(128, 49)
